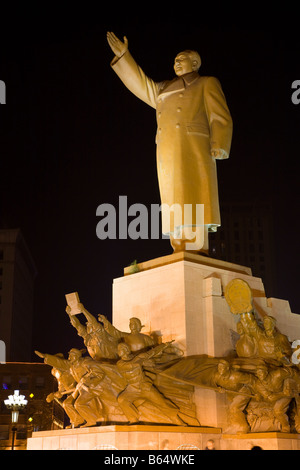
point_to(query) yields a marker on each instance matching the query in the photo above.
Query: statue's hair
(194, 55)
(136, 320)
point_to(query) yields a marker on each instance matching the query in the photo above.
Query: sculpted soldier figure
(238, 387)
(90, 396)
(139, 388)
(61, 371)
(136, 340)
(194, 129)
(277, 387)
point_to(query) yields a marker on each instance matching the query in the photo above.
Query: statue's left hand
(219, 154)
(38, 353)
(68, 309)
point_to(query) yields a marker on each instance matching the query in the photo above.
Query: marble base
(180, 297)
(117, 437)
(265, 440)
(154, 437)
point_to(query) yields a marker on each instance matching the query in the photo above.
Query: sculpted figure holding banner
(194, 129)
(99, 343)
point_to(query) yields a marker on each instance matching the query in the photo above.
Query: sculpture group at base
(119, 382)
(128, 378)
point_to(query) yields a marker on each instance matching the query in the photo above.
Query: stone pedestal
(153, 438)
(180, 297)
(265, 440)
(136, 437)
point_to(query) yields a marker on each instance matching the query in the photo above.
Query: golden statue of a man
(194, 129)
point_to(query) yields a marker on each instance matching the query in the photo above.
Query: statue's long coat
(193, 119)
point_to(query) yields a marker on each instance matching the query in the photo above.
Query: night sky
(73, 137)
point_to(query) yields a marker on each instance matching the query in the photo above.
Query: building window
(4, 432)
(40, 382)
(22, 432)
(23, 383)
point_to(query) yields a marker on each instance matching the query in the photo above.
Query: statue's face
(134, 325)
(74, 355)
(261, 374)
(123, 350)
(183, 64)
(223, 368)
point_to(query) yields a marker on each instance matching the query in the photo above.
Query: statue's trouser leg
(151, 395)
(87, 407)
(195, 242)
(236, 416)
(74, 416)
(297, 415)
(125, 400)
(280, 408)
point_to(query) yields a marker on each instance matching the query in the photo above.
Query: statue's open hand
(38, 353)
(117, 46)
(102, 318)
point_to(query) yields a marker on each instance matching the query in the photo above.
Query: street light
(15, 403)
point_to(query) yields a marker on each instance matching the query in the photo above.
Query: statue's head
(135, 325)
(75, 354)
(223, 367)
(124, 350)
(186, 62)
(269, 324)
(261, 372)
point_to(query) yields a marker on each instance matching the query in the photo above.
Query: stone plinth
(265, 440)
(137, 437)
(180, 297)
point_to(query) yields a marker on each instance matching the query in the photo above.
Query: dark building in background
(35, 381)
(246, 237)
(17, 276)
